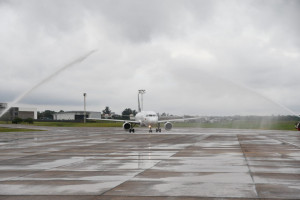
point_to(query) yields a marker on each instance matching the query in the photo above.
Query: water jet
(27, 92)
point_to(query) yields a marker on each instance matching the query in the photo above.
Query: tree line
(106, 113)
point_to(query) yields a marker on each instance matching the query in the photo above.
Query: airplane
(145, 118)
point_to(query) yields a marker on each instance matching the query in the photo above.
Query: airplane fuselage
(147, 118)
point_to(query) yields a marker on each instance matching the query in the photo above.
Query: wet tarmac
(110, 164)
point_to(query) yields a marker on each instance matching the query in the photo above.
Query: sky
(193, 57)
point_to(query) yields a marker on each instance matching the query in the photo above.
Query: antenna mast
(84, 117)
(140, 104)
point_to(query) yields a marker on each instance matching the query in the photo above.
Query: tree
(47, 114)
(28, 120)
(106, 110)
(134, 112)
(127, 112)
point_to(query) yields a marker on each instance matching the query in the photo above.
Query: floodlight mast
(140, 104)
(84, 117)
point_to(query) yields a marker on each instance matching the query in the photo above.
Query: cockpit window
(150, 115)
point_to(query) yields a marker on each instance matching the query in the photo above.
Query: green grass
(4, 129)
(72, 124)
(235, 124)
(244, 124)
(78, 124)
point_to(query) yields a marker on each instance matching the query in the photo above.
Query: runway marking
(250, 172)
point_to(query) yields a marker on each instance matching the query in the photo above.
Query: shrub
(29, 120)
(17, 120)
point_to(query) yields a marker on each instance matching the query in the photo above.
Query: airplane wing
(116, 120)
(178, 120)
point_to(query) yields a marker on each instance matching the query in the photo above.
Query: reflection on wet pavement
(107, 163)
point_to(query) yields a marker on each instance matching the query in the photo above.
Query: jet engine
(126, 126)
(168, 126)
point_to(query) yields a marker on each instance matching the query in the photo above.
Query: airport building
(2, 106)
(15, 112)
(75, 115)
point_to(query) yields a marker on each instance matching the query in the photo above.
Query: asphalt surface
(108, 163)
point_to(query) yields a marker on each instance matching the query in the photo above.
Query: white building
(32, 110)
(75, 115)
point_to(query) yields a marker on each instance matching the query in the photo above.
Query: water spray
(242, 86)
(266, 98)
(248, 90)
(19, 98)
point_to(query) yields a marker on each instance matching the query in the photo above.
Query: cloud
(192, 57)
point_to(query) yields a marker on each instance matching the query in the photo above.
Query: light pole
(84, 117)
(141, 106)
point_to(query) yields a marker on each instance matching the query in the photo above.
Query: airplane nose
(152, 121)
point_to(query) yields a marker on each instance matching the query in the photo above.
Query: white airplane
(145, 118)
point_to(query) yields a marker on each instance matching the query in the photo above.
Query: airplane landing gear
(150, 130)
(158, 128)
(131, 130)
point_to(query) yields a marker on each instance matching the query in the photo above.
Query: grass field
(78, 124)
(72, 124)
(235, 124)
(241, 124)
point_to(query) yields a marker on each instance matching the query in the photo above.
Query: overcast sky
(192, 57)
